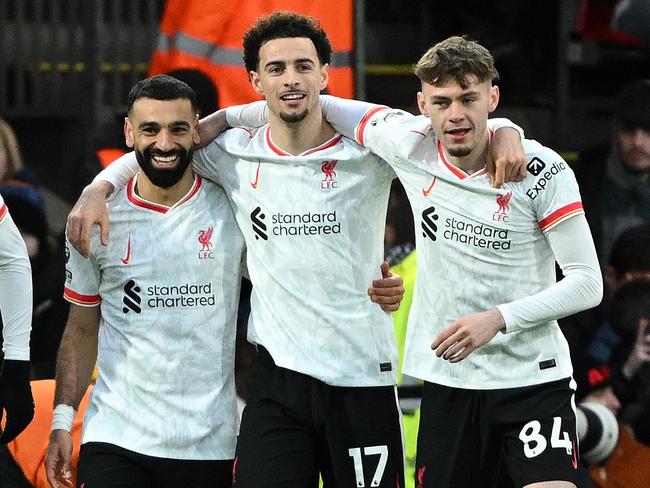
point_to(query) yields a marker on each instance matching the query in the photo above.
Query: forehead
(452, 88)
(288, 49)
(162, 111)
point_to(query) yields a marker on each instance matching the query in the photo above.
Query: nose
(456, 112)
(290, 77)
(165, 141)
(638, 136)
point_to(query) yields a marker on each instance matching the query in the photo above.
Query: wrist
(63, 417)
(102, 187)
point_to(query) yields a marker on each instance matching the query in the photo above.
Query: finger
(510, 171)
(72, 231)
(454, 350)
(467, 350)
(440, 338)
(499, 175)
(390, 308)
(391, 281)
(386, 289)
(105, 228)
(445, 344)
(385, 270)
(83, 243)
(522, 169)
(384, 297)
(489, 167)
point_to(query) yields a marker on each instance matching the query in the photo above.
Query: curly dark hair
(283, 25)
(161, 87)
(455, 58)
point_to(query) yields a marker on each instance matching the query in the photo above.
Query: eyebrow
(284, 63)
(156, 125)
(464, 94)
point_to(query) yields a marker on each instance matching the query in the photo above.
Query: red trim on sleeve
(3, 211)
(561, 214)
(364, 121)
(79, 299)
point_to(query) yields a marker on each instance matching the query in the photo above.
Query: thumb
(385, 270)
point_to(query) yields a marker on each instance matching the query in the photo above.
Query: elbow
(595, 290)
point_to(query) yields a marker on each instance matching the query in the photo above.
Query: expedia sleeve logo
(259, 227)
(429, 227)
(544, 175)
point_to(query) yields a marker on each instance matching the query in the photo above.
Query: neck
(474, 161)
(298, 137)
(164, 196)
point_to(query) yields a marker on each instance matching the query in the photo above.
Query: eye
(304, 67)
(469, 100)
(180, 130)
(441, 103)
(274, 70)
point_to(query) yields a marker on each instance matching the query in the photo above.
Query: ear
(256, 82)
(128, 133)
(325, 76)
(196, 137)
(494, 98)
(422, 105)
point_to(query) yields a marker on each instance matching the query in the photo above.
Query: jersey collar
(455, 170)
(333, 141)
(140, 202)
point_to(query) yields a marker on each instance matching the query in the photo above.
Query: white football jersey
(168, 286)
(15, 289)
(314, 227)
(477, 249)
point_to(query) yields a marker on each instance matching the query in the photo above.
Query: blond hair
(455, 58)
(9, 141)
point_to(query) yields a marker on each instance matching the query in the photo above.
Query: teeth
(295, 96)
(164, 159)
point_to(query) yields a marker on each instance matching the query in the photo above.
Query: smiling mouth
(166, 160)
(292, 97)
(457, 133)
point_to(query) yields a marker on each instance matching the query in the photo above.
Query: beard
(459, 152)
(164, 178)
(292, 118)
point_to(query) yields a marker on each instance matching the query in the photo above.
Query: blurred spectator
(48, 272)
(11, 161)
(615, 181)
(630, 318)
(629, 259)
(608, 448)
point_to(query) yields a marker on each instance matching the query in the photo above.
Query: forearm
(119, 172)
(15, 292)
(580, 289)
(503, 123)
(77, 355)
(253, 114)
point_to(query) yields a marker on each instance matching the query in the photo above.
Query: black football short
(465, 435)
(103, 465)
(295, 427)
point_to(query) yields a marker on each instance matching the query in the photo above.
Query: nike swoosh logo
(257, 176)
(428, 190)
(127, 258)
